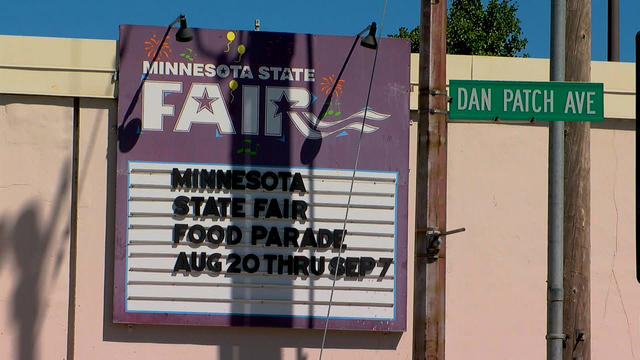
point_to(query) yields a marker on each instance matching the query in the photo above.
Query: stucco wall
(496, 290)
(35, 197)
(496, 270)
(615, 309)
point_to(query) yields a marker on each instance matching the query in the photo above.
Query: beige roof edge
(51, 52)
(32, 65)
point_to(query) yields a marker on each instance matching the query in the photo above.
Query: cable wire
(353, 176)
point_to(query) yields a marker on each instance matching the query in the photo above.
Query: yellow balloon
(233, 84)
(231, 36)
(241, 49)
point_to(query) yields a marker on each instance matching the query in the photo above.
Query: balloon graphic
(230, 36)
(241, 51)
(233, 85)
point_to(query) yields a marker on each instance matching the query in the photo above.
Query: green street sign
(526, 100)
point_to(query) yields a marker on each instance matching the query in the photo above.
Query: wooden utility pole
(420, 261)
(431, 183)
(577, 187)
(613, 31)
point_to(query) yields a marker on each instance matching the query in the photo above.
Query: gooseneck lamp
(370, 41)
(184, 34)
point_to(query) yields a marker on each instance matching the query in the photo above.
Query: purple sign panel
(254, 185)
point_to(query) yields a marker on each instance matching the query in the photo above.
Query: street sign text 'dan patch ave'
(510, 100)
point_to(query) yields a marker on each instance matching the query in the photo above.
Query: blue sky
(100, 19)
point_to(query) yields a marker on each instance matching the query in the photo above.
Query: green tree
(473, 29)
(413, 36)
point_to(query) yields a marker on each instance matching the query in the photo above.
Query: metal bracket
(579, 338)
(433, 243)
(438, 111)
(531, 120)
(563, 337)
(443, 93)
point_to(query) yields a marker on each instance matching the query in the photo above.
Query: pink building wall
(35, 193)
(496, 270)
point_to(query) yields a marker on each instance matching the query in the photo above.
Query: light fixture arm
(186, 36)
(159, 47)
(371, 44)
(364, 31)
(370, 27)
(183, 25)
(176, 20)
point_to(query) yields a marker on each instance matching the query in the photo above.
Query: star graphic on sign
(204, 102)
(283, 105)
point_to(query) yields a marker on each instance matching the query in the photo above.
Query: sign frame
(568, 101)
(153, 132)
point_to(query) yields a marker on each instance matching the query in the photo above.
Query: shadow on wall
(32, 241)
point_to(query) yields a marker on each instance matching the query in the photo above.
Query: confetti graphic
(189, 54)
(247, 149)
(151, 46)
(328, 84)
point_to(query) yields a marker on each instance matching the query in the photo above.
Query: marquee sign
(235, 164)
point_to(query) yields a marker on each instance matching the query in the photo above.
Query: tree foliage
(473, 29)
(413, 36)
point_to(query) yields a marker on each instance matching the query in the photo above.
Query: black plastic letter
(234, 235)
(215, 234)
(181, 205)
(178, 232)
(258, 232)
(199, 229)
(182, 263)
